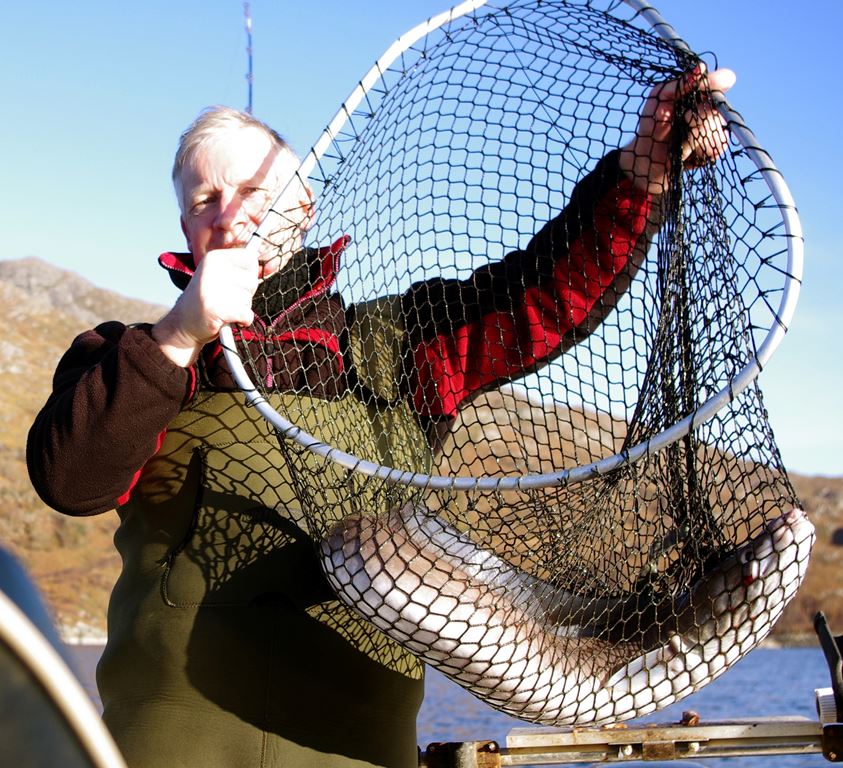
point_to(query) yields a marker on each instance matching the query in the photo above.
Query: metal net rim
(572, 475)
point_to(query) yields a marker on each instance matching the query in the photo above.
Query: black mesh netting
(506, 304)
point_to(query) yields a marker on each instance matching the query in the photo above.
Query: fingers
(657, 116)
(706, 137)
(220, 293)
(699, 78)
(721, 80)
(228, 283)
(667, 94)
(646, 158)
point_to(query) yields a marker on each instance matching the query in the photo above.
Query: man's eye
(201, 204)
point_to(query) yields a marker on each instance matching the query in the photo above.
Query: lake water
(768, 682)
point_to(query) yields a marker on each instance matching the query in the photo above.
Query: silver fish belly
(501, 633)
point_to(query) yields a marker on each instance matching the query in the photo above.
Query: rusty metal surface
(690, 738)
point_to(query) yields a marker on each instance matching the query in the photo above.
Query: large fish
(546, 655)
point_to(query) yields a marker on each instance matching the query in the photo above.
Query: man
(226, 647)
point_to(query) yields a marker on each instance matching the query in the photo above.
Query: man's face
(227, 187)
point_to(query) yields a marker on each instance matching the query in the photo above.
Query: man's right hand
(219, 293)
(646, 159)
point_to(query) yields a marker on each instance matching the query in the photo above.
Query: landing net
(523, 424)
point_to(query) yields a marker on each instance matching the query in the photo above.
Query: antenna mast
(249, 78)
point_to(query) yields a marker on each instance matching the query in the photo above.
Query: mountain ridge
(73, 561)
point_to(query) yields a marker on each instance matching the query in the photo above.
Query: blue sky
(96, 94)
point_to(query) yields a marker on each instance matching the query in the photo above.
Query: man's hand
(220, 292)
(646, 158)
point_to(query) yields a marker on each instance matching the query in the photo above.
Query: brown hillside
(42, 308)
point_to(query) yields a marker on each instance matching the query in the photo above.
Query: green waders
(226, 646)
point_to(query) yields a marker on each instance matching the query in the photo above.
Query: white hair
(212, 123)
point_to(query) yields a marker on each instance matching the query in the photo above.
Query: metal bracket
(651, 742)
(465, 754)
(833, 742)
(662, 742)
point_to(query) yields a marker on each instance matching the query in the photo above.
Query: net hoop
(740, 381)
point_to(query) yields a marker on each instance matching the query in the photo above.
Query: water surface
(768, 682)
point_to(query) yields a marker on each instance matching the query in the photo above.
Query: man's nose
(231, 213)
